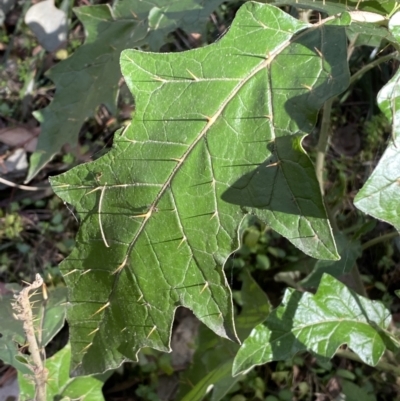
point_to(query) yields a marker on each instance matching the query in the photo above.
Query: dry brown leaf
(20, 137)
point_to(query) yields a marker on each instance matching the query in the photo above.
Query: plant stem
(388, 367)
(378, 240)
(322, 146)
(23, 308)
(371, 65)
(323, 143)
(358, 284)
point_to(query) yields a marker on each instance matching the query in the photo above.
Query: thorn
(193, 76)
(211, 120)
(182, 241)
(140, 298)
(121, 266)
(123, 329)
(72, 271)
(159, 79)
(86, 271)
(99, 214)
(268, 116)
(101, 309)
(220, 316)
(71, 211)
(144, 215)
(177, 160)
(263, 25)
(215, 214)
(205, 286)
(151, 331)
(273, 164)
(94, 331)
(33, 294)
(134, 15)
(307, 87)
(86, 348)
(319, 52)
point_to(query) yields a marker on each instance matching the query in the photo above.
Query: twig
(23, 309)
(371, 65)
(385, 366)
(378, 240)
(323, 143)
(24, 187)
(358, 284)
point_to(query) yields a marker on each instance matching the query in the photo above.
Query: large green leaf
(217, 134)
(60, 385)
(90, 77)
(320, 323)
(379, 196)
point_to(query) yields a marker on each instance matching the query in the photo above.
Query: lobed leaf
(216, 135)
(319, 323)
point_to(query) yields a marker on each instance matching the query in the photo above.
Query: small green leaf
(54, 312)
(367, 34)
(11, 335)
(319, 323)
(206, 384)
(353, 392)
(59, 384)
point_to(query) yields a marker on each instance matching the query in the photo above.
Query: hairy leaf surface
(320, 323)
(90, 77)
(216, 135)
(379, 196)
